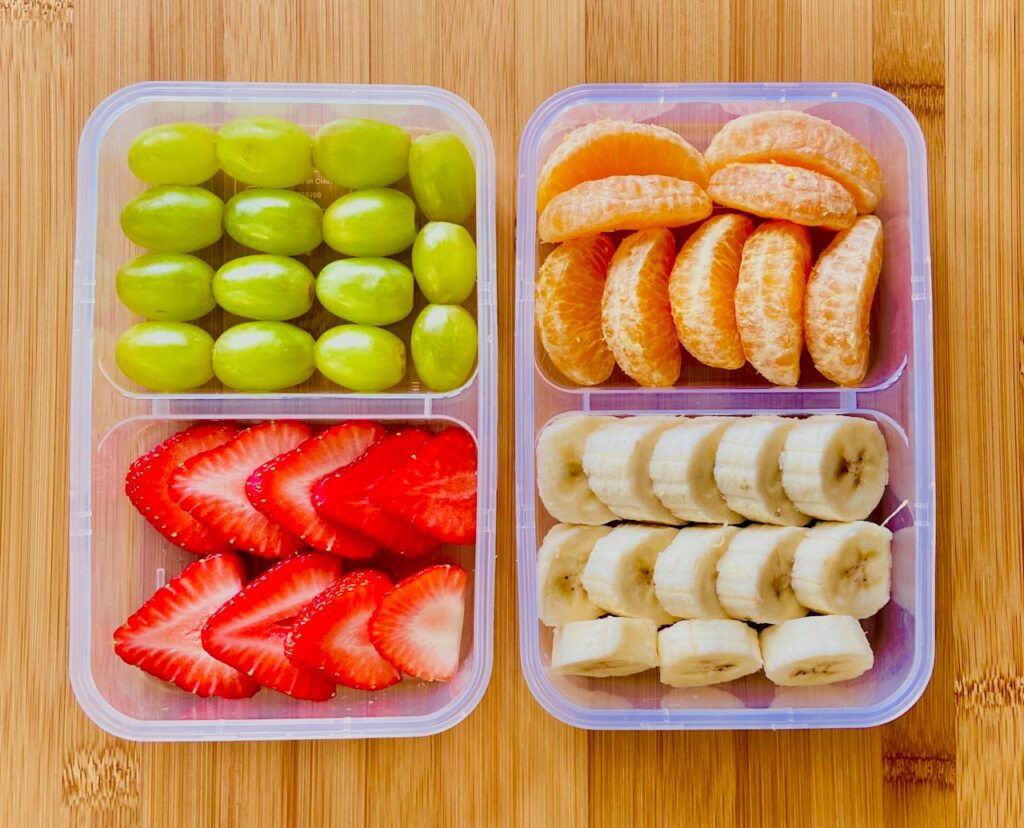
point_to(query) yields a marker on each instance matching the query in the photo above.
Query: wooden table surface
(955, 758)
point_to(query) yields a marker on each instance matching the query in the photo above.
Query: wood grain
(955, 759)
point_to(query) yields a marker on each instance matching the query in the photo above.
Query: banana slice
(617, 460)
(747, 470)
(835, 467)
(843, 568)
(683, 470)
(561, 597)
(685, 573)
(619, 575)
(819, 649)
(562, 484)
(754, 574)
(605, 647)
(698, 653)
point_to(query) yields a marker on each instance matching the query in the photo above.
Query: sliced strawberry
(146, 487)
(332, 633)
(162, 637)
(435, 490)
(282, 489)
(344, 496)
(249, 631)
(418, 626)
(211, 488)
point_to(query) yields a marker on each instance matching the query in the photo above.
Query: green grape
(356, 153)
(265, 152)
(361, 357)
(167, 286)
(165, 356)
(444, 346)
(173, 219)
(271, 288)
(370, 291)
(444, 261)
(377, 222)
(274, 221)
(442, 177)
(263, 356)
(174, 154)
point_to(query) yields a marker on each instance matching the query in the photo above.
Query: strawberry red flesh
(435, 489)
(162, 637)
(146, 485)
(344, 497)
(332, 634)
(282, 489)
(418, 626)
(249, 631)
(211, 488)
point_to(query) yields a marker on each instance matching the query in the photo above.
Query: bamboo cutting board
(957, 758)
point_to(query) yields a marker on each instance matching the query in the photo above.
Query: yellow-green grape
(370, 290)
(173, 287)
(444, 346)
(356, 153)
(265, 152)
(173, 219)
(165, 356)
(361, 357)
(376, 222)
(444, 261)
(274, 221)
(270, 288)
(442, 176)
(182, 154)
(263, 356)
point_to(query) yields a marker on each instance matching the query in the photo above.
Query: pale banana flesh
(835, 467)
(685, 572)
(819, 649)
(747, 470)
(701, 652)
(605, 647)
(561, 481)
(561, 597)
(844, 568)
(682, 470)
(619, 574)
(754, 574)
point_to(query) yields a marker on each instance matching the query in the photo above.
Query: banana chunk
(747, 470)
(605, 647)
(561, 481)
(685, 573)
(843, 568)
(819, 649)
(835, 467)
(683, 470)
(619, 575)
(702, 652)
(617, 460)
(754, 574)
(561, 597)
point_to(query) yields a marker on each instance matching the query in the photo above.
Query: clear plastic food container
(897, 393)
(117, 560)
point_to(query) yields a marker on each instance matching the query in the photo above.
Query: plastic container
(897, 393)
(117, 559)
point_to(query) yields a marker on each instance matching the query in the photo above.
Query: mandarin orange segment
(802, 140)
(635, 312)
(702, 291)
(837, 313)
(780, 192)
(623, 202)
(605, 148)
(770, 299)
(570, 285)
